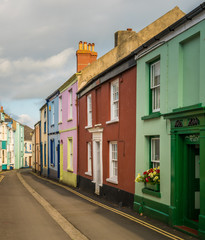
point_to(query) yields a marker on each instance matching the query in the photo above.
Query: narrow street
(32, 215)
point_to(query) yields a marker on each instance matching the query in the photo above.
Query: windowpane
(155, 86)
(113, 161)
(155, 151)
(114, 99)
(89, 110)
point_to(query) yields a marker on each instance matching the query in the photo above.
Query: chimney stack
(85, 55)
(122, 36)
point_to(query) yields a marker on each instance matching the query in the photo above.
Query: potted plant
(151, 178)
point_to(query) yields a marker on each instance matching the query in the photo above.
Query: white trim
(113, 121)
(89, 110)
(112, 180)
(87, 127)
(114, 102)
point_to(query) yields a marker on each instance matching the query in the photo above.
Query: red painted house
(107, 133)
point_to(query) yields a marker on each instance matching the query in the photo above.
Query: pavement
(32, 207)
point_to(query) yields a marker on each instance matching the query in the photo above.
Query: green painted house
(171, 123)
(19, 146)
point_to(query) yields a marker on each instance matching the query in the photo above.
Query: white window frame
(155, 87)
(113, 161)
(89, 110)
(70, 154)
(89, 159)
(114, 100)
(60, 110)
(155, 161)
(52, 113)
(70, 111)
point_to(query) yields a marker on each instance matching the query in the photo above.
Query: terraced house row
(140, 106)
(15, 143)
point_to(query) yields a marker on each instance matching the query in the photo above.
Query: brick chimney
(85, 55)
(2, 109)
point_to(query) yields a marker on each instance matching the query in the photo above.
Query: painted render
(104, 131)
(68, 132)
(130, 41)
(182, 99)
(19, 146)
(53, 135)
(44, 140)
(37, 166)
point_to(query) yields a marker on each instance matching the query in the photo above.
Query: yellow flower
(155, 178)
(151, 175)
(154, 173)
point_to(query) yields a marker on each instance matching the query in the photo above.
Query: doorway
(192, 182)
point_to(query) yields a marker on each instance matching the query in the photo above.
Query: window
(70, 110)
(155, 152)
(60, 109)
(113, 157)
(89, 110)
(155, 86)
(70, 154)
(44, 127)
(89, 159)
(115, 100)
(45, 114)
(52, 113)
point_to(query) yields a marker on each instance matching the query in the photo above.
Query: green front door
(192, 183)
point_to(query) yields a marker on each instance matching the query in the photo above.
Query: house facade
(3, 139)
(53, 135)
(44, 140)
(170, 124)
(27, 147)
(19, 146)
(106, 143)
(68, 131)
(37, 163)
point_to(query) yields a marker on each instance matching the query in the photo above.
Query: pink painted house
(68, 131)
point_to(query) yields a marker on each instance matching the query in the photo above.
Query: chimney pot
(129, 29)
(93, 47)
(2, 108)
(89, 46)
(80, 45)
(85, 45)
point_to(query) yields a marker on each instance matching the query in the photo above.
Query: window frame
(154, 98)
(154, 162)
(89, 110)
(60, 109)
(89, 159)
(113, 178)
(70, 109)
(114, 102)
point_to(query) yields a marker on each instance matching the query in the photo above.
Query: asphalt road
(32, 215)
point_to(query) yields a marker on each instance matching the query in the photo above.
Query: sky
(39, 39)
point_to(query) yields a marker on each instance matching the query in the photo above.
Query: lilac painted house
(68, 131)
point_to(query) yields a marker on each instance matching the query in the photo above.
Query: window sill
(113, 121)
(87, 127)
(151, 192)
(59, 123)
(88, 173)
(98, 125)
(69, 120)
(70, 170)
(151, 116)
(111, 180)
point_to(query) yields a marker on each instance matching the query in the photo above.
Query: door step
(188, 230)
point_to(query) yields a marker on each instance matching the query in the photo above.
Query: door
(29, 161)
(192, 195)
(58, 158)
(61, 161)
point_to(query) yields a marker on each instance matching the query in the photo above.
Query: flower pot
(153, 187)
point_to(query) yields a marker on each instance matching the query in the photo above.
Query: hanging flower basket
(151, 179)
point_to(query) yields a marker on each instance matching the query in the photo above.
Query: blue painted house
(53, 135)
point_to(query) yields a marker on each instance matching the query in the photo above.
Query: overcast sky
(39, 39)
